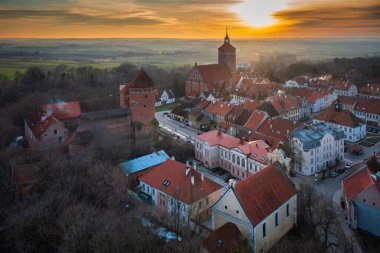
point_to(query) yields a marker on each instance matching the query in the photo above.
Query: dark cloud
(66, 17)
(334, 16)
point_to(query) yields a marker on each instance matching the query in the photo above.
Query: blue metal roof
(312, 135)
(143, 162)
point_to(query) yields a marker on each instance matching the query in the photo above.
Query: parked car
(348, 166)
(333, 174)
(182, 125)
(341, 170)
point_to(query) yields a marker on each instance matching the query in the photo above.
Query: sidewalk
(348, 233)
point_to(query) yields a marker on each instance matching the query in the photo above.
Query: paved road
(174, 126)
(366, 153)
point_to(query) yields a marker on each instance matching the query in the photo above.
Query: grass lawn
(165, 107)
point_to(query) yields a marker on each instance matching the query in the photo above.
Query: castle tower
(142, 104)
(227, 54)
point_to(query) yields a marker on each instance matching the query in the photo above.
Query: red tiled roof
(368, 105)
(357, 183)
(202, 104)
(252, 105)
(278, 127)
(258, 147)
(64, 110)
(347, 100)
(342, 117)
(234, 113)
(180, 185)
(214, 72)
(271, 188)
(371, 89)
(38, 122)
(286, 103)
(141, 80)
(243, 117)
(219, 108)
(229, 234)
(256, 120)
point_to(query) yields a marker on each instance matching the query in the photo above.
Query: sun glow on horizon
(258, 13)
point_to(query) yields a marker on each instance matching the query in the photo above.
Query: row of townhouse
(371, 91)
(289, 107)
(262, 208)
(317, 147)
(240, 158)
(339, 86)
(317, 99)
(364, 108)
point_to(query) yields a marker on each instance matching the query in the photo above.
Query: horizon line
(176, 38)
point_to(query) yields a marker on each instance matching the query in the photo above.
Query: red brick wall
(141, 104)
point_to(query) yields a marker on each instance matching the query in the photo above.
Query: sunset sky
(189, 18)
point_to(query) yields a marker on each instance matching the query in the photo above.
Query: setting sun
(259, 13)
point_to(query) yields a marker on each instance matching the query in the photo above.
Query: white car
(348, 166)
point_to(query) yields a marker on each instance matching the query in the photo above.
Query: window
(153, 191)
(55, 131)
(225, 207)
(264, 230)
(237, 211)
(287, 210)
(276, 219)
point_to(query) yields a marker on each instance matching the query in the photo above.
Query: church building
(213, 77)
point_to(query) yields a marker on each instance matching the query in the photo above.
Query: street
(175, 127)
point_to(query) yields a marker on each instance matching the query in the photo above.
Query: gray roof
(312, 135)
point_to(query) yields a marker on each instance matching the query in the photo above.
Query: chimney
(173, 158)
(192, 180)
(232, 183)
(219, 132)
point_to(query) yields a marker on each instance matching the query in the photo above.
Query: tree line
(37, 86)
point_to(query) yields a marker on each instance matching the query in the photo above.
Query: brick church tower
(227, 54)
(139, 97)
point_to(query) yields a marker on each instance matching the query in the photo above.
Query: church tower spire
(226, 38)
(227, 54)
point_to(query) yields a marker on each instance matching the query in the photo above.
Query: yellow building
(263, 207)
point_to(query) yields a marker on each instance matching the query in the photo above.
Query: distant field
(18, 55)
(9, 68)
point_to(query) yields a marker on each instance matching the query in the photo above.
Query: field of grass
(9, 67)
(18, 55)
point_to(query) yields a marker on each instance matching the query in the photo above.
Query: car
(182, 125)
(333, 174)
(348, 166)
(341, 170)
(166, 113)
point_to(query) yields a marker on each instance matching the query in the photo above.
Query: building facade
(317, 147)
(240, 158)
(263, 207)
(335, 116)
